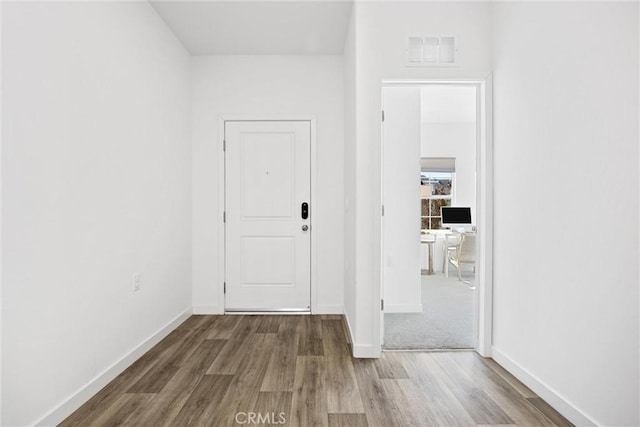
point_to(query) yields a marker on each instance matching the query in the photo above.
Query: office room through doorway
(430, 137)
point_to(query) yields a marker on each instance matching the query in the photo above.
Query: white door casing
(268, 250)
(484, 192)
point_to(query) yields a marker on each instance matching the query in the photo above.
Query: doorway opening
(435, 271)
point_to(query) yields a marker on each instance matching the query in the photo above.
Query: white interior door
(268, 238)
(401, 198)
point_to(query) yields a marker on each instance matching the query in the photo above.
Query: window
(436, 191)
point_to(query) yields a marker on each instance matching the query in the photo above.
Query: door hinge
(382, 210)
(225, 287)
(224, 216)
(383, 115)
(224, 145)
(381, 305)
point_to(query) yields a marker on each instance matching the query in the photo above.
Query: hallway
(297, 371)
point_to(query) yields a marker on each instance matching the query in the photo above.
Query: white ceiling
(238, 27)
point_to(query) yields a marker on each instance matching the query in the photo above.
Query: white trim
(77, 399)
(314, 209)
(378, 320)
(329, 309)
(221, 192)
(483, 320)
(267, 313)
(484, 197)
(207, 309)
(364, 351)
(440, 82)
(552, 397)
(222, 254)
(403, 308)
(349, 331)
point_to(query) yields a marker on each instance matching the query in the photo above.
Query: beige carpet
(446, 321)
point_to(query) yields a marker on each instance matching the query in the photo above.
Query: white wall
(95, 187)
(381, 33)
(267, 85)
(566, 197)
(449, 130)
(401, 197)
(349, 70)
(455, 140)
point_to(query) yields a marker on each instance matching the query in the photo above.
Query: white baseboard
(207, 309)
(553, 398)
(359, 351)
(364, 352)
(350, 332)
(66, 408)
(214, 309)
(329, 309)
(350, 335)
(403, 308)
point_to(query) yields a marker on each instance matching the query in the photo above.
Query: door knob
(305, 227)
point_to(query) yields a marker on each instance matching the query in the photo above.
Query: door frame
(483, 319)
(222, 173)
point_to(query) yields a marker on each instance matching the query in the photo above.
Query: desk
(429, 239)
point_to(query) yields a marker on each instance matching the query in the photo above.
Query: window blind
(438, 164)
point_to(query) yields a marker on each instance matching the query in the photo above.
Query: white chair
(449, 245)
(465, 252)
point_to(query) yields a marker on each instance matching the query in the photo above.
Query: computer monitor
(456, 217)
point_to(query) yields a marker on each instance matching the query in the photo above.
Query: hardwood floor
(297, 371)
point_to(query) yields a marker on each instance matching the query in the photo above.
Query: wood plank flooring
(298, 371)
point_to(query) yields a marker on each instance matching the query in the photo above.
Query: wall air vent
(431, 51)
